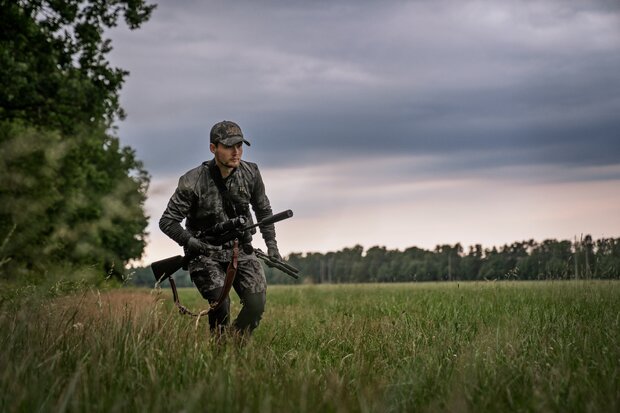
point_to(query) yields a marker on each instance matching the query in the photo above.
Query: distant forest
(525, 260)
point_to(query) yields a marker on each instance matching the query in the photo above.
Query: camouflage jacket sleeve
(178, 209)
(262, 208)
(197, 200)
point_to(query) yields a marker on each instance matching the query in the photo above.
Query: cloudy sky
(394, 123)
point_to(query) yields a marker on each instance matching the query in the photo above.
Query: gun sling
(231, 272)
(165, 268)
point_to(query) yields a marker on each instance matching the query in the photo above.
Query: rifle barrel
(280, 216)
(276, 263)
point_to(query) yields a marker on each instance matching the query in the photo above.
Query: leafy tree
(70, 192)
(347, 264)
(375, 257)
(28, 190)
(409, 263)
(449, 260)
(77, 200)
(53, 67)
(470, 264)
(607, 258)
(522, 260)
(589, 259)
(555, 259)
(492, 265)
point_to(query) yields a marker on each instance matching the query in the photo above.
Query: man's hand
(196, 247)
(272, 250)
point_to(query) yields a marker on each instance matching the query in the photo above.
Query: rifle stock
(163, 269)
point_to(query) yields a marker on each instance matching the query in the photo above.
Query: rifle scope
(231, 224)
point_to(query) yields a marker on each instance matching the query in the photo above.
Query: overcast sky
(394, 123)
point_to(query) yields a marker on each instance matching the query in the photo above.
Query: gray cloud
(470, 121)
(509, 83)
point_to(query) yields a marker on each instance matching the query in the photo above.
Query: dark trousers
(253, 306)
(249, 284)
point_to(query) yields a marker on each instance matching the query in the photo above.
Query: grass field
(518, 346)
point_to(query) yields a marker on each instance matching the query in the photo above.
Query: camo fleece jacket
(198, 201)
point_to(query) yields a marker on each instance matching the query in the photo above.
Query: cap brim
(233, 140)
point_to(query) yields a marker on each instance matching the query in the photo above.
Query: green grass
(539, 346)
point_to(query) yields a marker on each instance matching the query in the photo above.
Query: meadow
(479, 346)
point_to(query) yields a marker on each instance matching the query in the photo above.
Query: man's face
(228, 156)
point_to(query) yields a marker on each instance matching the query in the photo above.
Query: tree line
(70, 193)
(524, 260)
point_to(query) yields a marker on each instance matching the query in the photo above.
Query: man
(217, 190)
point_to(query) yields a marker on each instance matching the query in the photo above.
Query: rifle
(277, 264)
(220, 234)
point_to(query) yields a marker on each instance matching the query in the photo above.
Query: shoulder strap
(216, 175)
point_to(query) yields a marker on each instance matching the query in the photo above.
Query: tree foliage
(69, 191)
(53, 59)
(524, 260)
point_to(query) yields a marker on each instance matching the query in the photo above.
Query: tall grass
(548, 346)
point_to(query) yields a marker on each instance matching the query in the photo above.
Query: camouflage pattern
(198, 200)
(208, 274)
(227, 133)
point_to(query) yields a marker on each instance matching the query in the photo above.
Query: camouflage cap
(227, 133)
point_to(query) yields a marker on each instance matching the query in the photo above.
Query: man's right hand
(196, 247)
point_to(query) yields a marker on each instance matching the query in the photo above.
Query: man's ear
(212, 147)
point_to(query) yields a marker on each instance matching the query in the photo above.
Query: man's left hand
(272, 250)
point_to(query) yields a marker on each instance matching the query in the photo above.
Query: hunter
(220, 189)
